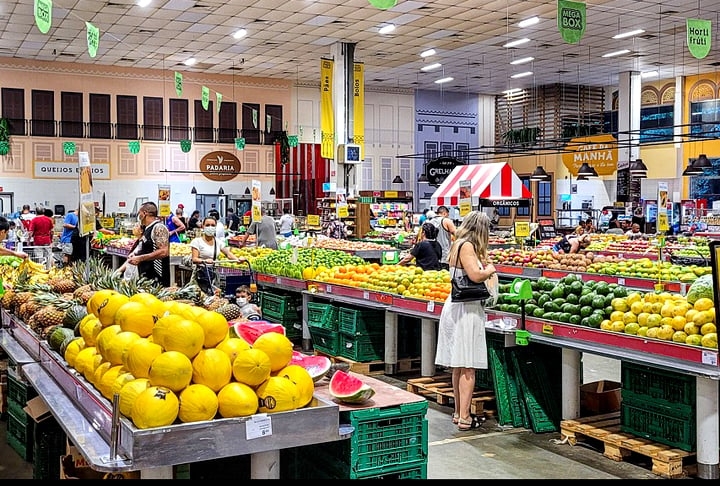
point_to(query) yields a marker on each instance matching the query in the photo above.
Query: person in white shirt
(287, 223)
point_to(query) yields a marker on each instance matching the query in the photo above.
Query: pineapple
(49, 308)
(7, 299)
(213, 303)
(230, 311)
(47, 317)
(62, 284)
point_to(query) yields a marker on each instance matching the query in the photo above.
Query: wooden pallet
(667, 461)
(440, 388)
(377, 367)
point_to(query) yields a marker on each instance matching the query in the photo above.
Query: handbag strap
(457, 257)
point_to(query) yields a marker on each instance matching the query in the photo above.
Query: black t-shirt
(427, 254)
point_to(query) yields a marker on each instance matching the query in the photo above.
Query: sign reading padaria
(220, 166)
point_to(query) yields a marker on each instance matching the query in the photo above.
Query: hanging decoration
(93, 39)
(134, 146)
(383, 4)
(43, 15)
(178, 83)
(240, 143)
(185, 145)
(69, 148)
(571, 20)
(218, 97)
(284, 142)
(4, 137)
(293, 140)
(205, 97)
(699, 37)
(4, 148)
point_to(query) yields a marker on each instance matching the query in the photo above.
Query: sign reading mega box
(44, 169)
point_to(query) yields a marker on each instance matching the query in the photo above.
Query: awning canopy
(496, 182)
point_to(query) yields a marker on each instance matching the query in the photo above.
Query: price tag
(431, 306)
(366, 295)
(342, 211)
(522, 229)
(621, 281)
(709, 358)
(258, 426)
(278, 280)
(328, 288)
(662, 221)
(313, 220)
(683, 288)
(547, 329)
(390, 194)
(620, 255)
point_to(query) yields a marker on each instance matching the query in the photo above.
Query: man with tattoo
(152, 255)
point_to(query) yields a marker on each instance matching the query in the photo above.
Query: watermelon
(317, 366)
(251, 330)
(347, 388)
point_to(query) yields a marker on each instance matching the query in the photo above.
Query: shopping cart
(40, 254)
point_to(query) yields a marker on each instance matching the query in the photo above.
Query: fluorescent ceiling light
(649, 74)
(616, 53)
(511, 91)
(190, 62)
(240, 33)
(522, 75)
(443, 80)
(143, 3)
(387, 29)
(522, 60)
(428, 53)
(629, 33)
(516, 43)
(430, 67)
(528, 22)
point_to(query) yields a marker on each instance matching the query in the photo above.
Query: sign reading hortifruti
(45, 169)
(699, 37)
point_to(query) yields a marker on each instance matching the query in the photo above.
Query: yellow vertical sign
(359, 107)
(465, 199)
(86, 216)
(327, 116)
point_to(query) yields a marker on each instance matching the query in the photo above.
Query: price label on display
(522, 229)
(431, 306)
(662, 221)
(621, 281)
(313, 220)
(342, 211)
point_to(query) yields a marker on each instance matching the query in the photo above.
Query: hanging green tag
(93, 39)
(43, 15)
(293, 140)
(185, 145)
(383, 4)
(178, 83)
(69, 148)
(205, 97)
(218, 97)
(699, 37)
(571, 20)
(240, 143)
(255, 118)
(134, 146)
(4, 148)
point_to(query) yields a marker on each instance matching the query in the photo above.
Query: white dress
(461, 339)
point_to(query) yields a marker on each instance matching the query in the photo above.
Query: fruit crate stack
(20, 425)
(361, 334)
(658, 405)
(49, 445)
(322, 320)
(387, 443)
(283, 309)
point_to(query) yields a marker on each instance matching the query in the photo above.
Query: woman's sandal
(475, 422)
(455, 418)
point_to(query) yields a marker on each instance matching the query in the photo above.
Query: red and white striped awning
(495, 181)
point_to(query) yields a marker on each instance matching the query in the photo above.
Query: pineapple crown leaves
(54, 299)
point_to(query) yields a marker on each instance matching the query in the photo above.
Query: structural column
(629, 92)
(343, 54)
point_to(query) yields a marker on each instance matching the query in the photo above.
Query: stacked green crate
(20, 425)
(50, 444)
(536, 393)
(362, 334)
(659, 405)
(322, 320)
(507, 396)
(387, 443)
(283, 309)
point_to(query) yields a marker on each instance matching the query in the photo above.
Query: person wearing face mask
(205, 250)
(152, 255)
(248, 310)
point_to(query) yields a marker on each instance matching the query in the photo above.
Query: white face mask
(241, 301)
(210, 230)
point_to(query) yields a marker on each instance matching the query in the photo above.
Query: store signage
(44, 169)
(599, 151)
(438, 169)
(220, 166)
(505, 203)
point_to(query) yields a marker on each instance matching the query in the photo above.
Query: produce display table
(119, 255)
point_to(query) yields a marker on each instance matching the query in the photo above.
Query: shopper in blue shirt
(70, 224)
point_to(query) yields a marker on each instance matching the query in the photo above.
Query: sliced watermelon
(347, 388)
(317, 366)
(251, 330)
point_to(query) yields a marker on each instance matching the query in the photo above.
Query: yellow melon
(197, 403)
(185, 336)
(232, 346)
(140, 356)
(302, 379)
(237, 400)
(251, 367)
(136, 317)
(121, 380)
(215, 327)
(212, 368)
(92, 365)
(118, 346)
(72, 350)
(277, 346)
(156, 406)
(171, 369)
(150, 300)
(97, 299)
(160, 329)
(107, 309)
(278, 394)
(85, 358)
(129, 392)
(104, 337)
(105, 385)
(99, 372)
(90, 327)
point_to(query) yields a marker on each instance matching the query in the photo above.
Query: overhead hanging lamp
(221, 191)
(638, 168)
(422, 178)
(582, 178)
(539, 174)
(193, 190)
(398, 180)
(691, 170)
(586, 170)
(247, 191)
(702, 162)
(272, 191)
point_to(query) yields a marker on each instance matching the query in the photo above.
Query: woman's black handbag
(465, 290)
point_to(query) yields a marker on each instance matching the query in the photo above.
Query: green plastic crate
(361, 322)
(20, 435)
(50, 444)
(658, 423)
(311, 463)
(324, 340)
(279, 308)
(322, 315)
(18, 390)
(361, 348)
(663, 387)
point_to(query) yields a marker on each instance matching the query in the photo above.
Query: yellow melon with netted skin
(84, 358)
(232, 346)
(105, 384)
(106, 310)
(185, 336)
(302, 379)
(237, 400)
(129, 392)
(90, 327)
(277, 346)
(72, 350)
(120, 381)
(97, 299)
(212, 368)
(92, 365)
(197, 403)
(277, 394)
(140, 356)
(251, 367)
(150, 300)
(156, 406)
(99, 372)
(118, 345)
(104, 337)
(215, 327)
(160, 329)
(171, 369)
(136, 317)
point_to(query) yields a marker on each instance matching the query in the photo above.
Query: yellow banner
(522, 229)
(662, 221)
(327, 116)
(465, 208)
(359, 107)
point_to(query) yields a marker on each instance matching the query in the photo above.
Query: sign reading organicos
(220, 166)
(599, 151)
(438, 169)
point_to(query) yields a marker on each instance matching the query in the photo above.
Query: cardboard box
(600, 397)
(71, 467)
(37, 410)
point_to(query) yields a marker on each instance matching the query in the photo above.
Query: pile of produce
(294, 263)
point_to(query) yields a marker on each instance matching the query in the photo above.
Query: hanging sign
(522, 229)
(164, 200)
(598, 151)
(86, 218)
(327, 117)
(313, 220)
(438, 169)
(571, 20)
(699, 37)
(205, 101)
(93, 39)
(256, 200)
(220, 166)
(43, 15)
(465, 199)
(178, 83)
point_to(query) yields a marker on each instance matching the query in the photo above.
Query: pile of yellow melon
(171, 361)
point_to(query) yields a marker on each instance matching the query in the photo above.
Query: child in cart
(244, 299)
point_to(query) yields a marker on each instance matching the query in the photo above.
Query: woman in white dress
(461, 344)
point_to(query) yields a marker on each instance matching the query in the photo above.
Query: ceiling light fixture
(193, 190)
(221, 191)
(516, 43)
(702, 162)
(444, 80)
(143, 3)
(239, 34)
(522, 75)
(616, 53)
(586, 170)
(272, 191)
(522, 60)
(387, 29)
(629, 33)
(649, 74)
(539, 174)
(398, 180)
(638, 167)
(528, 22)
(190, 62)
(247, 191)
(581, 178)
(427, 53)
(691, 170)
(511, 91)
(422, 178)
(430, 67)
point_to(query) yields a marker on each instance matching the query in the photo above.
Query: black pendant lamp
(221, 191)
(539, 174)
(193, 190)
(586, 170)
(272, 191)
(691, 170)
(638, 168)
(703, 162)
(582, 178)
(422, 178)
(398, 180)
